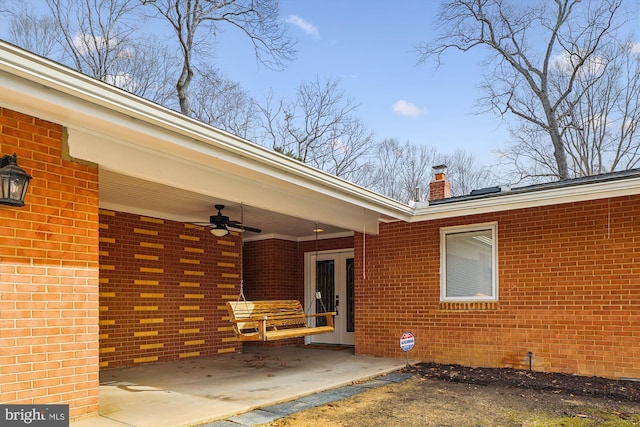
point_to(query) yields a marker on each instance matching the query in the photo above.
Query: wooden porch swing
(273, 320)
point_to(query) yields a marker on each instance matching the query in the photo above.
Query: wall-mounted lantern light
(14, 181)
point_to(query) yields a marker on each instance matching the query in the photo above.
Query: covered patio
(203, 390)
(120, 211)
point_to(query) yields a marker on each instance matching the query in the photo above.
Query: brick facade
(49, 274)
(81, 288)
(163, 288)
(569, 292)
(275, 270)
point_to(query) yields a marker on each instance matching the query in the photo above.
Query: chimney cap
(439, 168)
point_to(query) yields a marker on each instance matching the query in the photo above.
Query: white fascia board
(48, 90)
(529, 199)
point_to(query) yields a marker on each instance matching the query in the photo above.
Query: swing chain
(242, 254)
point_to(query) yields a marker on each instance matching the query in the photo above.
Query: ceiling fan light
(219, 230)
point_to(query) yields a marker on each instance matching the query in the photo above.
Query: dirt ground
(450, 395)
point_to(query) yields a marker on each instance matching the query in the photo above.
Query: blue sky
(368, 46)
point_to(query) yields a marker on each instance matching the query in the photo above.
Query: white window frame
(444, 231)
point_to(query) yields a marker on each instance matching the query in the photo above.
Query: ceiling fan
(220, 224)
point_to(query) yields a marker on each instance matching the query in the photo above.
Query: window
(468, 263)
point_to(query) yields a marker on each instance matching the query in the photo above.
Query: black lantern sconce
(14, 182)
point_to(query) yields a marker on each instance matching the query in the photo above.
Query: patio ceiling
(165, 175)
(124, 193)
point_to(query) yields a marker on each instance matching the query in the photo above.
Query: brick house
(104, 267)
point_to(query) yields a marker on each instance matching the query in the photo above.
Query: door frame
(309, 282)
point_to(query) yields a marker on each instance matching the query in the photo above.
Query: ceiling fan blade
(240, 227)
(222, 221)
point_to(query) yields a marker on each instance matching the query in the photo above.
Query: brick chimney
(439, 188)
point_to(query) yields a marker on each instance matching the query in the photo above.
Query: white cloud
(339, 146)
(86, 43)
(566, 63)
(123, 81)
(305, 26)
(408, 109)
(634, 47)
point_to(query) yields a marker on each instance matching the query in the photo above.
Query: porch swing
(276, 319)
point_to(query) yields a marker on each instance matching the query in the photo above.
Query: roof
(614, 184)
(503, 192)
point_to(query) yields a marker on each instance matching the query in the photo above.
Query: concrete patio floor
(196, 391)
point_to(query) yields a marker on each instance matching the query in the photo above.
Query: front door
(330, 287)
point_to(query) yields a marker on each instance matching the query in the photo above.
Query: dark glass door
(333, 288)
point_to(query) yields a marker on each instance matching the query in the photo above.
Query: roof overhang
(127, 136)
(553, 194)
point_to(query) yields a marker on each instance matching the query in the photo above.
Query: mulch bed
(550, 382)
(326, 346)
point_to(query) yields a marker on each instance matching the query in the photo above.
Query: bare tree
(465, 174)
(404, 171)
(95, 34)
(397, 171)
(258, 20)
(529, 158)
(380, 172)
(386, 179)
(351, 143)
(319, 127)
(416, 169)
(100, 38)
(600, 131)
(147, 69)
(524, 38)
(32, 32)
(87, 35)
(223, 103)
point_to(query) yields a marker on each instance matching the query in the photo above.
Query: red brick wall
(274, 269)
(163, 288)
(569, 291)
(48, 274)
(271, 270)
